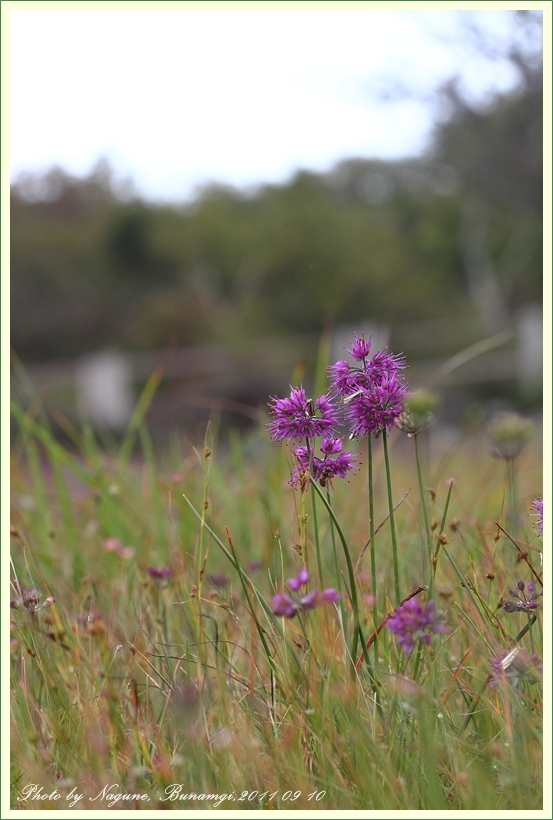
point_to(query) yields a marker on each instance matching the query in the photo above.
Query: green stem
(530, 622)
(392, 522)
(335, 552)
(438, 542)
(208, 450)
(315, 522)
(512, 512)
(316, 529)
(336, 564)
(352, 592)
(244, 579)
(423, 502)
(372, 536)
(418, 658)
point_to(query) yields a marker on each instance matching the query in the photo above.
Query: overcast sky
(176, 98)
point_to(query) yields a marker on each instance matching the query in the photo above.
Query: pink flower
(537, 506)
(411, 623)
(298, 417)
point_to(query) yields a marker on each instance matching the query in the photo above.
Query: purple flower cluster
(374, 392)
(287, 607)
(325, 469)
(372, 398)
(411, 623)
(30, 600)
(523, 603)
(537, 506)
(298, 417)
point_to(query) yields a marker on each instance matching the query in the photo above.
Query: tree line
(454, 232)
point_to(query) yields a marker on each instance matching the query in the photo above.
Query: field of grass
(182, 690)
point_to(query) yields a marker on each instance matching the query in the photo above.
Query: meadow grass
(147, 680)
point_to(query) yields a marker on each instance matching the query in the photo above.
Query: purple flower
(386, 364)
(310, 600)
(254, 565)
(301, 581)
(331, 446)
(537, 506)
(30, 600)
(283, 605)
(298, 417)
(302, 457)
(339, 466)
(515, 665)
(376, 409)
(360, 348)
(303, 576)
(330, 595)
(411, 623)
(316, 598)
(218, 580)
(325, 469)
(342, 378)
(287, 607)
(523, 603)
(373, 393)
(160, 576)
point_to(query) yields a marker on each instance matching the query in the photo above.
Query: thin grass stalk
(434, 558)
(392, 522)
(157, 503)
(200, 561)
(521, 554)
(475, 701)
(418, 658)
(512, 515)
(352, 592)
(138, 416)
(243, 579)
(27, 423)
(423, 502)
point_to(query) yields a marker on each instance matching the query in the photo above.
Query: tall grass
(190, 679)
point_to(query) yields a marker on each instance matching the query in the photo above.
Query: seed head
(509, 433)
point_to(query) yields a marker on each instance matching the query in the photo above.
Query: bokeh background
(227, 195)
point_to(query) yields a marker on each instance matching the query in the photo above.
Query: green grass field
(187, 686)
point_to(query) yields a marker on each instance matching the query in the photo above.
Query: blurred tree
(497, 153)
(455, 232)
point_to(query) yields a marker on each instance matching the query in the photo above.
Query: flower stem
(333, 538)
(335, 551)
(512, 515)
(371, 536)
(315, 521)
(438, 542)
(392, 522)
(423, 503)
(316, 529)
(418, 656)
(352, 592)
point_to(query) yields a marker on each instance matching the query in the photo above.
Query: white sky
(175, 98)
